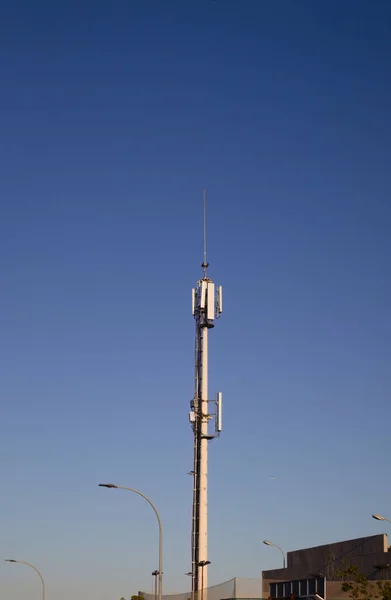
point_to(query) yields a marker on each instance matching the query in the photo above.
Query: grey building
(314, 570)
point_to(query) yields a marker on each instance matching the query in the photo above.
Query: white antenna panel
(211, 302)
(203, 294)
(193, 293)
(219, 412)
(220, 299)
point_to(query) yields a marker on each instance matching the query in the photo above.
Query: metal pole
(203, 507)
(23, 562)
(154, 583)
(202, 582)
(121, 487)
(283, 554)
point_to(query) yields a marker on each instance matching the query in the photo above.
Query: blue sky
(113, 118)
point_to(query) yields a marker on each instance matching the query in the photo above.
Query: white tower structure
(206, 307)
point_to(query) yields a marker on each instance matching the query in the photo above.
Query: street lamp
(202, 564)
(155, 574)
(280, 549)
(190, 574)
(380, 518)
(160, 570)
(23, 562)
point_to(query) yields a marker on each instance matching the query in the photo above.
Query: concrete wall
(327, 560)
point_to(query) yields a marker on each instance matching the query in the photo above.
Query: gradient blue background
(113, 117)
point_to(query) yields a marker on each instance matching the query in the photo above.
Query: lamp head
(108, 485)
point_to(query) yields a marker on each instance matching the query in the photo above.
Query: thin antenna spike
(205, 264)
(204, 226)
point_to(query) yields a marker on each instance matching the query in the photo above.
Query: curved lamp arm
(23, 562)
(121, 487)
(267, 543)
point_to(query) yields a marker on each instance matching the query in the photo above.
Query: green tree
(360, 588)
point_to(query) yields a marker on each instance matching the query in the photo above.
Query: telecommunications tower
(207, 305)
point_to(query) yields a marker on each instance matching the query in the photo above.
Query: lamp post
(280, 549)
(23, 562)
(202, 564)
(160, 570)
(380, 518)
(155, 574)
(190, 574)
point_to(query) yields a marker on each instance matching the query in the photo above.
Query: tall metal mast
(206, 306)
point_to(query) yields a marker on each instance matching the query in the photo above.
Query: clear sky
(113, 117)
